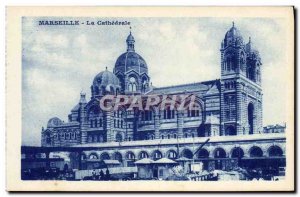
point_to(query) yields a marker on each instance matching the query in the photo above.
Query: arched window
(187, 153)
(256, 152)
(73, 135)
(104, 156)
(172, 154)
(220, 153)
(193, 109)
(242, 58)
(175, 136)
(203, 153)
(130, 156)
(93, 156)
(169, 136)
(132, 86)
(91, 124)
(118, 156)
(143, 155)
(237, 152)
(232, 61)
(157, 155)
(275, 151)
(186, 135)
(169, 113)
(68, 136)
(228, 64)
(193, 113)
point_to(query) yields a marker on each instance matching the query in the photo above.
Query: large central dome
(130, 60)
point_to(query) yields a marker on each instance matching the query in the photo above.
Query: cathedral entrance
(250, 117)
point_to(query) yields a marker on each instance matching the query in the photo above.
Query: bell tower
(241, 93)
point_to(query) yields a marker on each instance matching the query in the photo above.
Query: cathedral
(229, 106)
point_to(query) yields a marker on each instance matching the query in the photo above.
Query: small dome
(251, 50)
(131, 61)
(130, 38)
(105, 83)
(53, 122)
(106, 78)
(233, 37)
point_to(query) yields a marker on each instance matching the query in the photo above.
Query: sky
(59, 62)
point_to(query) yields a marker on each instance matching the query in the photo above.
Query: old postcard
(150, 99)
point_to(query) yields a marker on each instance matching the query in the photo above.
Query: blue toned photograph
(154, 98)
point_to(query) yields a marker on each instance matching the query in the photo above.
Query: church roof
(76, 107)
(184, 88)
(213, 90)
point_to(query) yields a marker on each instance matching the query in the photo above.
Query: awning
(115, 162)
(144, 161)
(183, 159)
(165, 161)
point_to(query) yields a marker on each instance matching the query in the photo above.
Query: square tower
(241, 92)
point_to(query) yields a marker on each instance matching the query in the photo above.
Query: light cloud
(60, 62)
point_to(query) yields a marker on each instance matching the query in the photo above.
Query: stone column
(222, 115)
(180, 122)
(108, 126)
(239, 108)
(83, 124)
(156, 123)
